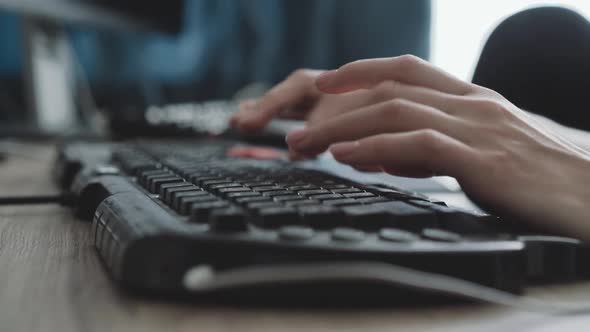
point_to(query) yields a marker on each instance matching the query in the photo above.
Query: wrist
(574, 201)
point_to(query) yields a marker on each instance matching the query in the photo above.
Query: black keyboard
(161, 208)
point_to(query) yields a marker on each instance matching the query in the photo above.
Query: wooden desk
(51, 280)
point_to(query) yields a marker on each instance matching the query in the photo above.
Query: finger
(477, 106)
(243, 108)
(297, 156)
(448, 103)
(408, 69)
(418, 153)
(388, 117)
(334, 105)
(248, 103)
(296, 89)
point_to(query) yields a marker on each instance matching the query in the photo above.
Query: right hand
(298, 97)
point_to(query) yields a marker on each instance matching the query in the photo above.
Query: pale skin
(407, 117)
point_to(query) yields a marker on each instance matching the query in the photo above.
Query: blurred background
(219, 47)
(461, 27)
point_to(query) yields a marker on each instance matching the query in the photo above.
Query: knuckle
(486, 92)
(496, 109)
(409, 59)
(301, 73)
(490, 108)
(385, 90)
(407, 63)
(393, 109)
(350, 66)
(489, 104)
(431, 141)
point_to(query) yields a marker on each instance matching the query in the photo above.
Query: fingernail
(342, 150)
(295, 137)
(323, 81)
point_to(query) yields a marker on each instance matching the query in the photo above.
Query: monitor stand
(49, 77)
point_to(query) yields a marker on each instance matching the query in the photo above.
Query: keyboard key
(184, 206)
(301, 187)
(242, 194)
(302, 202)
(359, 195)
(177, 196)
(296, 233)
(406, 216)
(263, 205)
(252, 199)
(327, 197)
(397, 235)
(165, 187)
(135, 168)
(231, 219)
(366, 217)
(342, 202)
(210, 183)
(263, 189)
(138, 169)
(287, 198)
(214, 188)
(321, 216)
(388, 192)
(313, 192)
(167, 193)
(225, 191)
(440, 235)
(199, 212)
(345, 191)
(277, 216)
(259, 184)
(335, 186)
(150, 172)
(279, 193)
(212, 179)
(343, 234)
(193, 172)
(156, 184)
(371, 200)
(145, 179)
(200, 178)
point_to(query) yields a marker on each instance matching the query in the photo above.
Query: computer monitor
(48, 62)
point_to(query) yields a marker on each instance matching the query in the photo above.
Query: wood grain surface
(51, 280)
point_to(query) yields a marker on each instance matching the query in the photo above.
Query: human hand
(298, 97)
(436, 124)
